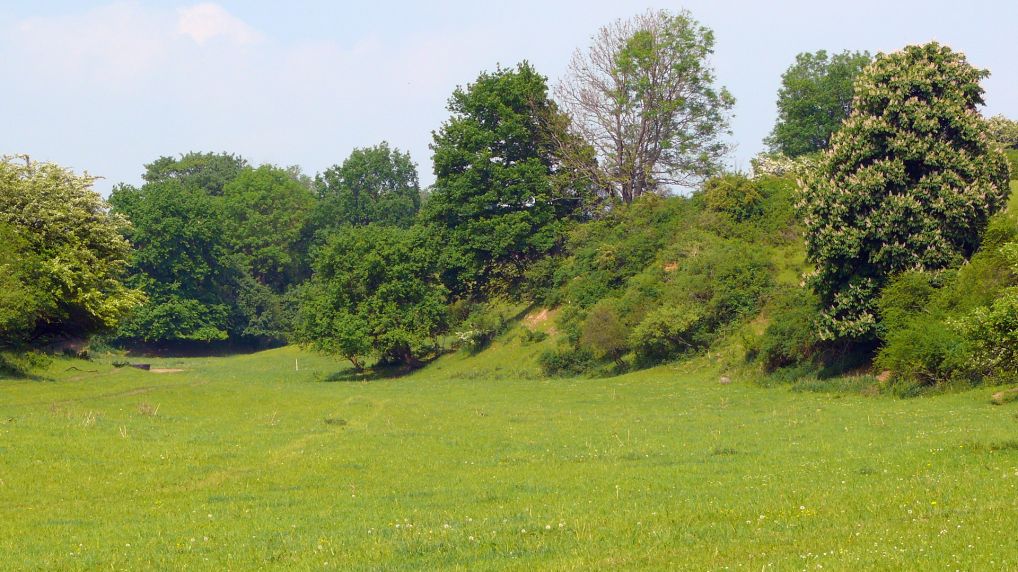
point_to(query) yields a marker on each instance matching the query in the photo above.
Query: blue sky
(109, 86)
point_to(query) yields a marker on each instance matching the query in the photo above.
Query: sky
(106, 87)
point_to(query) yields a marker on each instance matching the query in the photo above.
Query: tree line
(882, 164)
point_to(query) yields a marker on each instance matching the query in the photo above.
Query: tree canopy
(374, 184)
(64, 255)
(266, 211)
(375, 292)
(815, 97)
(907, 183)
(643, 96)
(493, 202)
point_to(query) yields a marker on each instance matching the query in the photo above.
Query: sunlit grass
(476, 463)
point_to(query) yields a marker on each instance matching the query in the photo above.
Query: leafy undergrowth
(257, 461)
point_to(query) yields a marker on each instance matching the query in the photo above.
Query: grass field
(243, 463)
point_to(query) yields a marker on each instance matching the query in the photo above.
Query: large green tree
(908, 182)
(180, 260)
(64, 255)
(374, 184)
(375, 292)
(494, 203)
(266, 211)
(815, 97)
(208, 171)
(643, 96)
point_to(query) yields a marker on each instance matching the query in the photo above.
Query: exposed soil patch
(535, 319)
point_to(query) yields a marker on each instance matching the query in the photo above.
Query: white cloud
(110, 43)
(208, 21)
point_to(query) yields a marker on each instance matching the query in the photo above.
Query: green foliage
(217, 245)
(954, 326)
(665, 332)
(790, 338)
(483, 322)
(1012, 159)
(815, 97)
(1004, 131)
(65, 255)
(909, 182)
(735, 195)
(180, 261)
(374, 288)
(662, 276)
(23, 300)
(493, 200)
(208, 171)
(603, 333)
(567, 362)
(644, 97)
(265, 213)
(992, 332)
(603, 254)
(905, 297)
(376, 184)
(921, 353)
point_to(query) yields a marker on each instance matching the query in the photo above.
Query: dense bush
(665, 332)
(566, 362)
(992, 334)
(790, 337)
(735, 195)
(956, 326)
(603, 333)
(481, 324)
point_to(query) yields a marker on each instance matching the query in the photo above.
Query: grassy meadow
(476, 463)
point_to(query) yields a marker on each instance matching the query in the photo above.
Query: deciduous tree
(644, 96)
(65, 255)
(908, 183)
(815, 97)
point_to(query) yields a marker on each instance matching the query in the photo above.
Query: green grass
(474, 463)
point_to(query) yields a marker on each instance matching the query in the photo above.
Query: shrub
(566, 362)
(907, 295)
(665, 332)
(790, 338)
(603, 333)
(992, 333)
(485, 322)
(735, 195)
(922, 353)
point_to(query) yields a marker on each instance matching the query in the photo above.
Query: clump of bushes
(735, 195)
(790, 338)
(477, 324)
(567, 362)
(956, 326)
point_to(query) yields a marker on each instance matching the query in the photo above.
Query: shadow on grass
(370, 374)
(379, 372)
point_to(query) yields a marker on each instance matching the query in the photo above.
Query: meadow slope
(242, 462)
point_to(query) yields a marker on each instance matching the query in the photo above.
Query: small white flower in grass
(547, 527)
